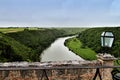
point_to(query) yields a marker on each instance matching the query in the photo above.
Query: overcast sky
(59, 13)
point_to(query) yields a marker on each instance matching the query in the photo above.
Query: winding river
(58, 52)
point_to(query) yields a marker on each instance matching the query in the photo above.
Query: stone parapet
(57, 70)
(50, 63)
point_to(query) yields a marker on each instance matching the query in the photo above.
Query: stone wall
(59, 70)
(10, 71)
(71, 74)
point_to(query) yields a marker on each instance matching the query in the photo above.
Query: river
(58, 52)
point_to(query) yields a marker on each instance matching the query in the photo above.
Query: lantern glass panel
(102, 41)
(109, 34)
(107, 39)
(108, 42)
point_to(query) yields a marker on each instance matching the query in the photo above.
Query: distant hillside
(11, 50)
(72, 30)
(16, 29)
(26, 45)
(37, 40)
(91, 38)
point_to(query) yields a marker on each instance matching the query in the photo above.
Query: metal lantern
(107, 39)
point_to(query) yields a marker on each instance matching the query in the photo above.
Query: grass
(8, 30)
(15, 29)
(76, 46)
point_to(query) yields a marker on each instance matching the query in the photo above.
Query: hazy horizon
(59, 13)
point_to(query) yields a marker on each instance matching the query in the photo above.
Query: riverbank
(26, 45)
(59, 52)
(76, 46)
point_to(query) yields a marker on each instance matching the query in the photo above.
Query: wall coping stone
(106, 57)
(50, 63)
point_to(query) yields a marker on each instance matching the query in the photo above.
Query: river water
(58, 52)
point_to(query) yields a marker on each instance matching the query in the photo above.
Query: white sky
(59, 13)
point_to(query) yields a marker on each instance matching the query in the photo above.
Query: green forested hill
(11, 50)
(26, 45)
(91, 38)
(37, 39)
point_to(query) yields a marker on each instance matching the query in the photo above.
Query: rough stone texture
(31, 75)
(106, 60)
(54, 74)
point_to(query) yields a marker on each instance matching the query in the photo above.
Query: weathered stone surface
(52, 73)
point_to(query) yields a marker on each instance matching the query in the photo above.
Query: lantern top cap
(107, 34)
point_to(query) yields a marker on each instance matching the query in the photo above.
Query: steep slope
(11, 50)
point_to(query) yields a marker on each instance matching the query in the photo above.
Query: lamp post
(107, 39)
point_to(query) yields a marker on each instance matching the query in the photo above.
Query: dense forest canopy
(26, 45)
(91, 38)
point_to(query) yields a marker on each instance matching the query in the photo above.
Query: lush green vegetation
(37, 40)
(11, 50)
(8, 30)
(16, 29)
(91, 38)
(27, 44)
(72, 31)
(76, 46)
